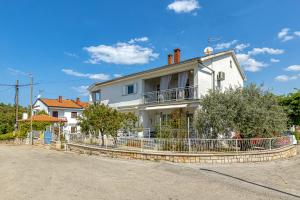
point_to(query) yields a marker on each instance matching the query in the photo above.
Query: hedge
(7, 136)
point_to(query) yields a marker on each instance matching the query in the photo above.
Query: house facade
(154, 94)
(66, 109)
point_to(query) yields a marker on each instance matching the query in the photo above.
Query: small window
(54, 114)
(129, 89)
(73, 114)
(73, 129)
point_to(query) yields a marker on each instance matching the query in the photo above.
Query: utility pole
(31, 115)
(17, 103)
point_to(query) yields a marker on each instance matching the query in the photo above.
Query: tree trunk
(102, 138)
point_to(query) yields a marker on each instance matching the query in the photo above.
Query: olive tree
(106, 120)
(250, 111)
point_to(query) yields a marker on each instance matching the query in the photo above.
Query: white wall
(233, 77)
(113, 94)
(66, 113)
(38, 106)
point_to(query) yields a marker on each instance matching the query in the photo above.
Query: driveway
(36, 173)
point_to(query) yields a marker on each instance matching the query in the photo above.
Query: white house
(153, 94)
(66, 109)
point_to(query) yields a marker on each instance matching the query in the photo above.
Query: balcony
(170, 95)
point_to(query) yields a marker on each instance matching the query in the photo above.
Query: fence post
(106, 141)
(236, 145)
(142, 144)
(270, 142)
(189, 141)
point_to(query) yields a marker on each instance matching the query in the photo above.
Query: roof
(82, 104)
(64, 103)
(46, 118)
(195, 60)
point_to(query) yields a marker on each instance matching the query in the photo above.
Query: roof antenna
(209, 50)
(40, 94)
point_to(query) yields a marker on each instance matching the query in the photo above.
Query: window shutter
(135, 88)
(124, 90)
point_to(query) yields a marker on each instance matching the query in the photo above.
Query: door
(47, 137)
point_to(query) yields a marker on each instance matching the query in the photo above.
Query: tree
(106, 120)
(291, 103)
(250, 111)
(129, 120)
(8, 117)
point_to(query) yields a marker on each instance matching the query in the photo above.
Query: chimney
(176, 56)
(60, 99)
(77, 100)
(170, 59)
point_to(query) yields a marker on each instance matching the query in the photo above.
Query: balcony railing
(175, 94)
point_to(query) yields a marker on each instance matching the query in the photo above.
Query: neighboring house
(66, 109)
(153, 94)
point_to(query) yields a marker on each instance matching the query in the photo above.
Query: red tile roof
(64, 103)
(46, 118)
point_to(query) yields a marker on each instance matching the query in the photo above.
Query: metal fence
(184, 145)
(174, 94)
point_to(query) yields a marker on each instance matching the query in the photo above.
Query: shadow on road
(249, 182)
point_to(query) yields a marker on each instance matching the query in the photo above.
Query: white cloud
(225, 45)
(273, 60)
(284, 35)
(241, 47)
(99, 77)
(285, 78)
(142, 39)
(297, 33)
(265, 50)
(293, 68)
(249, 63)
(127, 53)
(82, 90)
(184, 6)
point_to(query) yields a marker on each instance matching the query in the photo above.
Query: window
(96, 96)
(129, 89)
(54, 114)
(73, 114)
(73, 129)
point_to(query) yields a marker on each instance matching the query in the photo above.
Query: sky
(67, 45)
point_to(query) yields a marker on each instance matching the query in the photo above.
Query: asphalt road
(36, 173)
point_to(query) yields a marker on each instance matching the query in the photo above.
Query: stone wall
(14, 141)
(239, 157)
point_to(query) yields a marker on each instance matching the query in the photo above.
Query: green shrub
(7, 136)
(297, 135)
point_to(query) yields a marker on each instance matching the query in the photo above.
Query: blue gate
(47, 137)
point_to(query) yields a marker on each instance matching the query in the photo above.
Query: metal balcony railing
(175, 94)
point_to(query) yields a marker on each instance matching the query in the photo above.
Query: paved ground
(35, 173)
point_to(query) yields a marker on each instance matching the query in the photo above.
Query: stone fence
(237, 157)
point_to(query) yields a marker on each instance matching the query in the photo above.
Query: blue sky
(67, 45)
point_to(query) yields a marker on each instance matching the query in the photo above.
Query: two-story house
(66, 109)
(153, 94)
